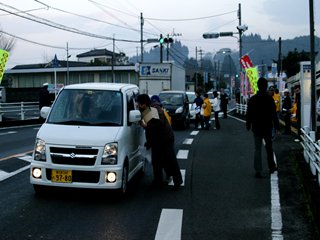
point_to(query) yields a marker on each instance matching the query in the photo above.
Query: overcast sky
(120, 19)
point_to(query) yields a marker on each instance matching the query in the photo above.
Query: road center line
(170, 225)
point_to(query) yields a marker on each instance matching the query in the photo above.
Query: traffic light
(168, 40)
(210, 35)
(163, 40)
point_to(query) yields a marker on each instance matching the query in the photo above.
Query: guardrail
(311, 151)
(20, 111)
(241, 108)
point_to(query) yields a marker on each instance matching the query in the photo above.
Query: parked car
(191, 97)
(177, 105)
(91, 139)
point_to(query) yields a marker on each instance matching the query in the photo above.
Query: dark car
(177, 105)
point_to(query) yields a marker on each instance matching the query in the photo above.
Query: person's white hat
(45, 84)
(286, 90)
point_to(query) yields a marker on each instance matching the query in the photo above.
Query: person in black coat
(224, 102)
(261, 117)
(44, 97)
(286, 111)
(160, 138)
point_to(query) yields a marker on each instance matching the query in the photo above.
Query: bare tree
(6, 43)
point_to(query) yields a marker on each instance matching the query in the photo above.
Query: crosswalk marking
(182, 154)
(193, 133)
(188, 141)
(26, 158)
(170, 224)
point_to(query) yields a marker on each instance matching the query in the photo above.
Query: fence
(311, 151)
(19, 111)
(241, 108)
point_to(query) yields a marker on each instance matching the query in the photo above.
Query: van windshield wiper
(107, 124)
(73, 122)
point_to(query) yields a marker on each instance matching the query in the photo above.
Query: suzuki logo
(72, 155)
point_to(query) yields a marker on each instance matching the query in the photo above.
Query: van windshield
(174, 99)
(87, 107)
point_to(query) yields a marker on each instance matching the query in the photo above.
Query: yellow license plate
(62, 176)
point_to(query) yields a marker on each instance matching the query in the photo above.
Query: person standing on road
(286, 111)
(198, 101)
(206, 111)
(224, 102)
(216, 109)
(44, 97)
(298, 110)
(160, 138)
(260, 118)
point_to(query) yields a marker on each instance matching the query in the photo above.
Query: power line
(191, 19)
(63, 27)
(89, 18)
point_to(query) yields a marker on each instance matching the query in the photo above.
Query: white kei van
(91, 139)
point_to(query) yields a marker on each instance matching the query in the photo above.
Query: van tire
(124, 186)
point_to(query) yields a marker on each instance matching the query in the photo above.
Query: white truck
(157, 77)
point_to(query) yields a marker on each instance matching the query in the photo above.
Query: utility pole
(67, 80)
(167, 48)
(313, 70)
(240, 35)
(196, 69)
(279, 66)
(112, 64)
(161, 47)
(141, 38)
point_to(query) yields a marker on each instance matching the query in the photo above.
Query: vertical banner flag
(246, 62)
(253, 76)
(4, 55)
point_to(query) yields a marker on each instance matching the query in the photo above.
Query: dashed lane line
(182, 154)
(170, 224)
(188, 141)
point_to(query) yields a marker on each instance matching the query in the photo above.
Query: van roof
(101, 86)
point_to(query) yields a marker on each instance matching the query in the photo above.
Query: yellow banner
(4, 55)
(253, 77)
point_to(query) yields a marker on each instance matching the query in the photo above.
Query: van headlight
(110, 154)
(179, 110)
(40, 150)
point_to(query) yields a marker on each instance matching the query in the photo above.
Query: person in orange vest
(206, 111)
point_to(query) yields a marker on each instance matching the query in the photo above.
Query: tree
(290, 63)
(6, 43)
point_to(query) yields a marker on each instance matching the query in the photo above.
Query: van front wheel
(124, 185)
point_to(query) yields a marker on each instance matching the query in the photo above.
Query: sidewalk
(237, 205)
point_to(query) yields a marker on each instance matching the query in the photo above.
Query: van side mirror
(134, 116)
(44, 112)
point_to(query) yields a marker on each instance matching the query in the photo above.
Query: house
(93, 66)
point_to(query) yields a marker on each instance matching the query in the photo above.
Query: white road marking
(7, 133)
(8, 175)
(26, 158)
(170, 224)
(183, 174)
(182, 154)
(195, 132)
(188, 141)
(276, 217)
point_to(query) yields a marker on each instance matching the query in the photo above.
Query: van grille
(73, 156)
